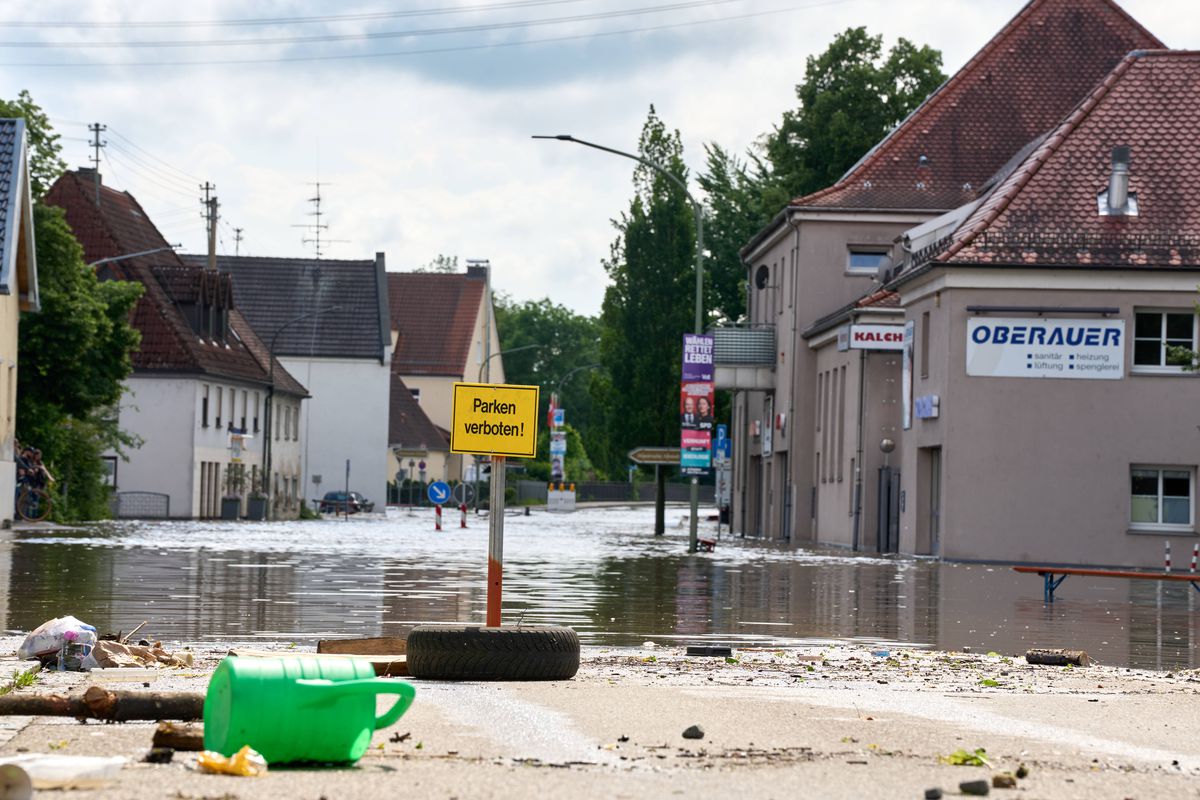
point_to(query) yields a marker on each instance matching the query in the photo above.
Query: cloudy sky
(416, 116)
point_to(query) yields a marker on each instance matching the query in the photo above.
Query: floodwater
(600, 571)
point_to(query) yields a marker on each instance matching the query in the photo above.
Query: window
(1161, 497)
(256, 406)
(204, 406)
(416, 394)
(1155, 333)
(867, 260)
(220, 391)
(245, 401)
(276, 415)
(296, 425)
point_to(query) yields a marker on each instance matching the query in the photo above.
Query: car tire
(477, 653)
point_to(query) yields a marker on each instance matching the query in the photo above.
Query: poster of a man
(688, 418)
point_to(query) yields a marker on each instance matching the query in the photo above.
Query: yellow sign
(494, 419)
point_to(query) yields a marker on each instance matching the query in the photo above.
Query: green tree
(739, 201)
(850, 98)
(45, 153)
(440, 263)
(558, 341)
(648, 305)
(74, 354)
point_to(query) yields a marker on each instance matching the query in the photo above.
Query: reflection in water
(599, 571)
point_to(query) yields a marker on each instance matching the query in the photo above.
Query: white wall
(163, 412)
(346, 418)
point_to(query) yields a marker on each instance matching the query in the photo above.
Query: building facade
(825, 453)
(200, 375)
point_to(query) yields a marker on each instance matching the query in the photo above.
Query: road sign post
(499, 421)
(658, 456)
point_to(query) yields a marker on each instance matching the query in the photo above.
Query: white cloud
(431, 154)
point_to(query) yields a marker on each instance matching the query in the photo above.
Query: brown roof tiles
(435, 314)
(1046, 211)
(1021, 84)
(118, 226)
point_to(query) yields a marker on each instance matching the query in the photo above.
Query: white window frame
(866, 249)
(1161, 368)
(1190, 525)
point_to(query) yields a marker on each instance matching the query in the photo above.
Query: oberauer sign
(1040, 347)
(494, 419)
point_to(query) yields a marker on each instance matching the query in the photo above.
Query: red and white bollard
(463, 518)
(1167, 557)
(437, 519)
(1195, 553)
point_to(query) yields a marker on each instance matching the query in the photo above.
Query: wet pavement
(600, 571)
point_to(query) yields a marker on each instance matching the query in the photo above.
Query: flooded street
(600, 571)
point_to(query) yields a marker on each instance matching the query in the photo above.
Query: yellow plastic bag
(246, 763)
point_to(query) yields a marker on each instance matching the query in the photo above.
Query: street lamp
(699, 316)
(479, 377)
(268, 412)
(134, 255)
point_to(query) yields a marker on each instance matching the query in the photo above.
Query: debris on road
(933, 794)
(975, 788)
(1057, 658)
(245, 763)
(109, 655)
(1004, 780)
(694, 732)
(179, 736)
(709, 650)
(100, 703)
(49, 771)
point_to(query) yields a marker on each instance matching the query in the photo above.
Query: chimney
(1118, 182)
(478, 268)
(88, 173)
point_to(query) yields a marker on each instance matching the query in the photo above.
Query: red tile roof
(1047, 212)
(435, 313)
(1021, 84)
(408, 425)
(119, 226)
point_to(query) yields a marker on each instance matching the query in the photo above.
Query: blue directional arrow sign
(438, 493)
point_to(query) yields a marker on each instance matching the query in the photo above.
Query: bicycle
(33, 503)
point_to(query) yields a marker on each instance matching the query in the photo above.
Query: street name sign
(654, 455)
(494, 419)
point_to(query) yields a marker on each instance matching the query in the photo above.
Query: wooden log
(179, 736)
(1057, 658)
(372, 646)
(106, 704)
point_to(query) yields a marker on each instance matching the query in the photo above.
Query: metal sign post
(495, 542)
(500, 421)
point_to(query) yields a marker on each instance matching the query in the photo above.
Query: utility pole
(237, 241)
(210, 214)
(96, 128)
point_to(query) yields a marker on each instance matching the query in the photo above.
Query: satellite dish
(761, 276)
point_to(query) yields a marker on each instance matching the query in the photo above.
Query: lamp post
(268, 412)
(478, 379)
(699, 315)
(134, 255)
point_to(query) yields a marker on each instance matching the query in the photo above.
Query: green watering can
(293, 709)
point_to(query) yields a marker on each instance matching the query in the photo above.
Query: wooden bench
(1051, 582)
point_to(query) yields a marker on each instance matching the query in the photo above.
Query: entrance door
(785, 490)
(888, 528)
(935, 501)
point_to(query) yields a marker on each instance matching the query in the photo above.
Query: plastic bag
(245, 763)
(51, 636)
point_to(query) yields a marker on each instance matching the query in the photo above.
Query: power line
(248, 22)
(431, 50)
(134, 169)
(151, 168)
(134, 145)
(369, 36)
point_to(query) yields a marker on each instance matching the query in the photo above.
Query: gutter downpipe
(794, 222)
(858, 461)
